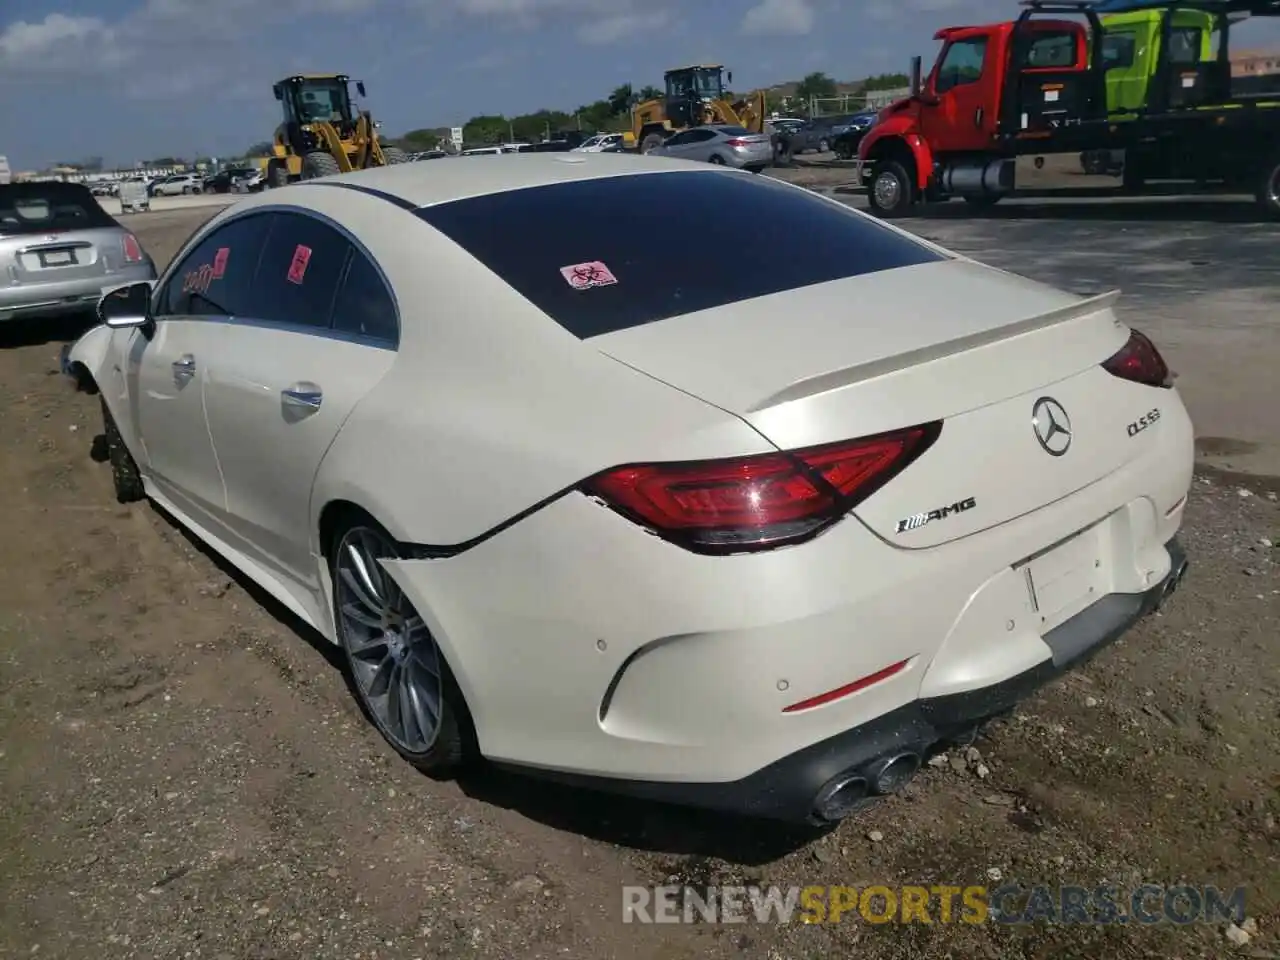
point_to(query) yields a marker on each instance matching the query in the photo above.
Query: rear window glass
(691, 241)
(41, 207)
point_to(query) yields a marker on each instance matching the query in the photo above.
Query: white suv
(182, 183)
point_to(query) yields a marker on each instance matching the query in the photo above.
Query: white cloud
(611, 29)
(595, 22)
(57, 36)
(779, 17)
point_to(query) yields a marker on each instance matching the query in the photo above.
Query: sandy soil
(185, 776)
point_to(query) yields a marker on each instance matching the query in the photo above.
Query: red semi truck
(995, 91)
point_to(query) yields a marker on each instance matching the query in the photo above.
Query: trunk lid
(58, 256)
(953, 341)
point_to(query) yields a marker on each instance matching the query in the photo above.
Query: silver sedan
(61, 249)
(729, 146)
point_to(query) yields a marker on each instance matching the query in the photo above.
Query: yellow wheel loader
(695, 96)
(321, 133)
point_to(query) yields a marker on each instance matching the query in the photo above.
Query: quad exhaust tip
(850, 791)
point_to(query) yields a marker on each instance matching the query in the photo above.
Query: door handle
(184, 368)
(303, 397)
(977, 117)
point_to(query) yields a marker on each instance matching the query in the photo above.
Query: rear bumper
(786, 789)
(57, 299)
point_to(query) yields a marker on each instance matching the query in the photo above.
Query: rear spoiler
(877, 368)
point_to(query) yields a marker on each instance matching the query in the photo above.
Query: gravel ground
(185, 775)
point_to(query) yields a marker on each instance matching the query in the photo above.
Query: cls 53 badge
(1144, 421)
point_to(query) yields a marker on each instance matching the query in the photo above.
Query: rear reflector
(132, 249)
(848, 688)
(1139, 362)
(759, 502)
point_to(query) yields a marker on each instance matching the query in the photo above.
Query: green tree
(622, 99)
(886, 81)
(260, 149)
(816, 85)
(650, 92)
(486, 129)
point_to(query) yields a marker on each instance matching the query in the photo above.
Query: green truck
(1131, 55)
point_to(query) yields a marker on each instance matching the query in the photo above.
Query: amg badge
(918, 520)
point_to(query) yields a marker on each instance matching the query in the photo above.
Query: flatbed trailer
(935, 145)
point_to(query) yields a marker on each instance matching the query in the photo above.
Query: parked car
(713, 526)
(183, 183)
(599, 143)
(252, 181)
(224, 180)
(821, 133)
(546, 146)
(59, 248)
(727, 146)
(846, 142)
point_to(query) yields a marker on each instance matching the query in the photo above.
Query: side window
(961, 64)
(299, 271)
(1052, 50)
(1118, 50)
(1184, 45)
(364, 306)
(678, 139)
(216, 278)
(701, 135)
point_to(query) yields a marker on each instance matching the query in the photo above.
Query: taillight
(132, 249)
(758, 502)
(1140, 362)
(738, 142)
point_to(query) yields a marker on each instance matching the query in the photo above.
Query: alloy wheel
(395, 662)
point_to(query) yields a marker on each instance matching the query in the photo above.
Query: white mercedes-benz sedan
(591, 474)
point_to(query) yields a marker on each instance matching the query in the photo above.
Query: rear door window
(27, 208)
(298, 275)
(750, 237)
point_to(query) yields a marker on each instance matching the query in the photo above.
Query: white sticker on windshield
(584, 276)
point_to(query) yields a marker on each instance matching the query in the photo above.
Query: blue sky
(134, 79)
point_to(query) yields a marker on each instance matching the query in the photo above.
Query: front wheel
(891, 192)
(319, 164)
(394, 155)
(277, 175)
(396, 669)
(125, 476)
(651, 141)
(823, 146)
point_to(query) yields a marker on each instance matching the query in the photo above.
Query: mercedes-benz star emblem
(1052, 426)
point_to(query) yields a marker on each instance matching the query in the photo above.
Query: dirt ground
(185, 776)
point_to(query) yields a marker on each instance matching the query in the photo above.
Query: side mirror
(127, 306)
(360, 87)
(278, 92)
(729, 77)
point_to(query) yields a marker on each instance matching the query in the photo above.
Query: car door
(673, 145)
(320, 331)
(962, 118)
(700, 146)
(168, 366)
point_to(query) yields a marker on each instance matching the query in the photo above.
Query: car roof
(423, 185)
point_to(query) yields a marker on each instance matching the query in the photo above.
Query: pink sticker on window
(584, 276)
(220, 262)
(298, 266)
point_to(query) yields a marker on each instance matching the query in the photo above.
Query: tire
(394, 155)
(387, 645)
(651, 141)
(277, 174)
(1267, 190)
(319, 164)
(716, 159)
(186, 191)
(824, 146)
(125, 476)
(886, 201)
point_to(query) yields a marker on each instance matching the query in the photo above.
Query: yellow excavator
(695, 96)
(322, 134)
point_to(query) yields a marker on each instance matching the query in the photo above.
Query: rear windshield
(41, 207)
(617, 252)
